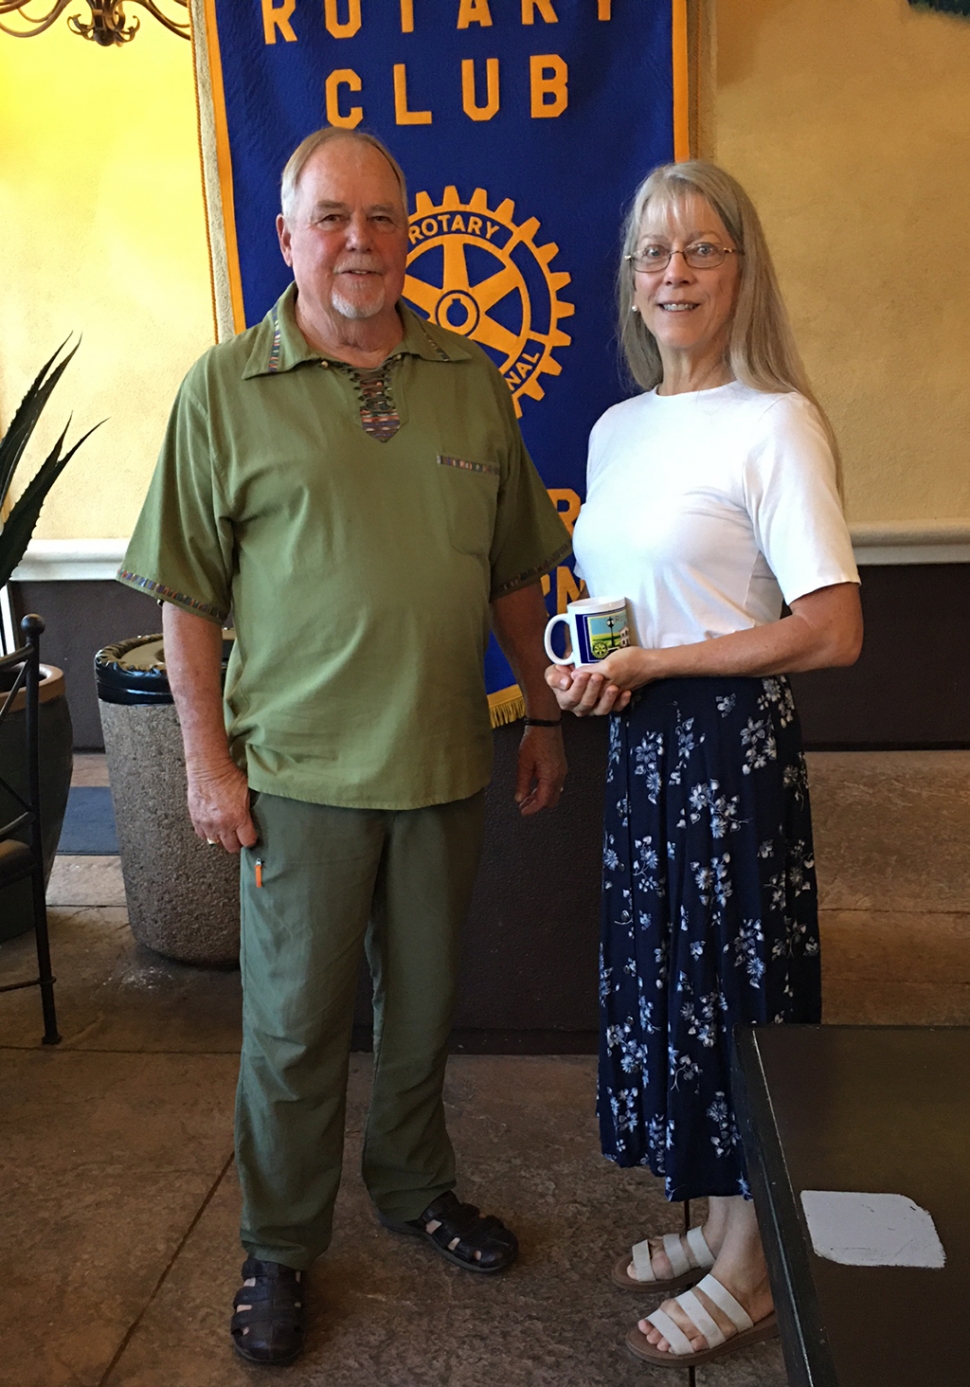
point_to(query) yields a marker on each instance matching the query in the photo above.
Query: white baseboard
(69, 560)
(911, 541)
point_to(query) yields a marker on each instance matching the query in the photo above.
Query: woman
(712, 499)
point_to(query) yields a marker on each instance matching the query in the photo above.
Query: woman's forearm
(823, 630)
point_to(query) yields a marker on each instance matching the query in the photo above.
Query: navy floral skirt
(709, 917)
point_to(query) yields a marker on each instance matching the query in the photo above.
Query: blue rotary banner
(523, 127)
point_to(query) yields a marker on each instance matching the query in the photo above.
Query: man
(349, 480)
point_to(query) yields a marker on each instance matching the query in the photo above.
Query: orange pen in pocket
(259, 871)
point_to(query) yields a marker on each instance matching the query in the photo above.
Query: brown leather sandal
(269, 1322)
(462, 1231)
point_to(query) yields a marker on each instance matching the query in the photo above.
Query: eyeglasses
(701, 255)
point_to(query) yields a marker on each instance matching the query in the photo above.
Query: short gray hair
(297, 162)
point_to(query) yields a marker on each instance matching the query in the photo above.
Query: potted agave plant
(19, 520)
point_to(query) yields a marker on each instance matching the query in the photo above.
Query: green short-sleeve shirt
(358, 565)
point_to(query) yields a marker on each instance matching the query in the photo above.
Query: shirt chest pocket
(469, 491)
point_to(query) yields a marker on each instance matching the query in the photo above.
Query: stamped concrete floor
(119, 1203)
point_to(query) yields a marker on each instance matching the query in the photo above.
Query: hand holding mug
(584, 691)
(597, 627)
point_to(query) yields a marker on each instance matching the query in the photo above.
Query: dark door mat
(89, 823)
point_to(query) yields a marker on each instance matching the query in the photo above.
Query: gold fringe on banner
(681, 81)
(216, 173)
(506, 705)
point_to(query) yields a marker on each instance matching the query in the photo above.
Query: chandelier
(108, 24)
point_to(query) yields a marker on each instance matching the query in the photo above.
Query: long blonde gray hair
(761, 349)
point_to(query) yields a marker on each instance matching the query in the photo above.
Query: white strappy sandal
(688, 1263)
(681, 1354)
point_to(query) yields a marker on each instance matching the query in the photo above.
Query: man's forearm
(218, 794)
(193, 659)
(519, 621)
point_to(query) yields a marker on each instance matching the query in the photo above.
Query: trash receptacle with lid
(183, 896)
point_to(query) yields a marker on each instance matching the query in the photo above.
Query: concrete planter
(183, 896)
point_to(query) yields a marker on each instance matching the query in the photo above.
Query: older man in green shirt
(350, 482)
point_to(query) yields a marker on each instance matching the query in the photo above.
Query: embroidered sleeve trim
(165, 594)
(528, 575)
(467, 466)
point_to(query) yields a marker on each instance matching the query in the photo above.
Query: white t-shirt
(705, 510)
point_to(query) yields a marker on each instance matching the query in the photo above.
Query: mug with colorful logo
(597, 627)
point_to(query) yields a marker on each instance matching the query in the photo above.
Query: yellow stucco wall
(104, 234)
(848, 122)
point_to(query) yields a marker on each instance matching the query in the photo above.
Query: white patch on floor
(90, 768)
(86, 881)
(871, 1230)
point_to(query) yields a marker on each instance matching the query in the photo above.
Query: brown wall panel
(910, 688)
(81, 618)
(911, 685)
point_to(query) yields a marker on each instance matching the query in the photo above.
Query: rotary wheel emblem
(511, 308)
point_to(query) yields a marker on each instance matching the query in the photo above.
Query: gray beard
(355, 312)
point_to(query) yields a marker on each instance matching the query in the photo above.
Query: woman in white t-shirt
(712, 500)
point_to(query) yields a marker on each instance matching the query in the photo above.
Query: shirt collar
(279, 345)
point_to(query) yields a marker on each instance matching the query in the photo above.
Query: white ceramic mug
(597, 627)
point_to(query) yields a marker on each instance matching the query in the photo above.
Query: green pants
(334, 883)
